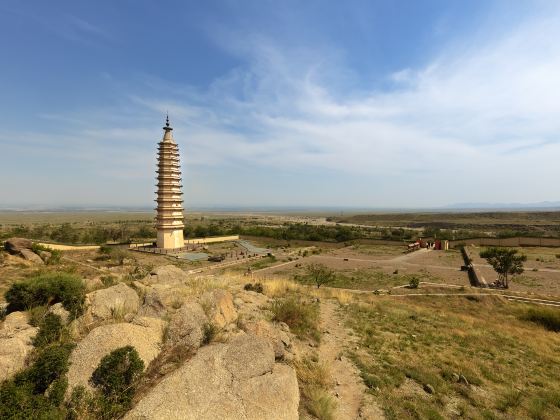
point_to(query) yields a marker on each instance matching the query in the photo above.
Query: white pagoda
(169, 220)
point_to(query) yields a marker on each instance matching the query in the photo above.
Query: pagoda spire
(168, 129)
(167, 126)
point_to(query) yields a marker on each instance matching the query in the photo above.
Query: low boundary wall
(475, 276)
(516, 241)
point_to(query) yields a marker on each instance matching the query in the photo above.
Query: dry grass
(315, 383)
(278, 287)
(510, 367)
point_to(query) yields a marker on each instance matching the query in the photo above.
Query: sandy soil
(349, 388)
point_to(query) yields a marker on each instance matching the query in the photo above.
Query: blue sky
(293, 103)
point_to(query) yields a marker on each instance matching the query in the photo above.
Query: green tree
(505, 262)
(320, 274)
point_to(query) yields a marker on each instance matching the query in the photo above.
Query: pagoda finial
(167, 126)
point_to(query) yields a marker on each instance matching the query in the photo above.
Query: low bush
(257, 287)
(55, 257)
(38, 391)
(50, 331)
(51, 364)
(209, 332)
(47, 289)
(548, 318)
(105, 250)
(414, 282)
(315, 382)
(302, 317)
(108, 280)
(116, 378)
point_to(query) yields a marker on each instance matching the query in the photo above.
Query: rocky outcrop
(58, 309)
(45, 255)
(144, 334)
(237, 380)
(186, 327)
(168, 274)
(279, 339)
(114, 302)
(16, 342)
(15, 245)
(93, 284)
(158, 299)
(219, 307)
(31, 256)
(251, 304)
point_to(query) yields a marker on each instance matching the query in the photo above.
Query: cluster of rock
(235, 380)
(23, 248)
(241, 375)
(16, 343)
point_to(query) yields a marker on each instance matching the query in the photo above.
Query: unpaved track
(349, 387)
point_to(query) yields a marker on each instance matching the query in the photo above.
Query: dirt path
(349, 387)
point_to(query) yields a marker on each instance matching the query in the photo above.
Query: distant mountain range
(549, 205)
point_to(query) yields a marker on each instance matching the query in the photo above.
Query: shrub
(50, 331)
(302, 317)
(414, 282)
(257, 287)
(18, 402)
(116, 377)
(548, 318)
(105, 250)
(51, 364)
(55, 257)
(47, 289)
(209, 331)
(36, 315)
(108, 280)
(24, 396)
(315, 381)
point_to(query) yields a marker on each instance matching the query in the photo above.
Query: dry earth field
(444, 350)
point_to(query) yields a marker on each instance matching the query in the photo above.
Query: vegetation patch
(53, 259)
(254, 287)
(315, 382)
(547, 317)
(50, 331)
(38, 391)
(47, 289)
(209, 332)
(116, 378)
(416, 355)
(301, 316)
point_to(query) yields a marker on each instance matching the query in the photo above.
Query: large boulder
(144, 334)
(219, 307)
(279, 339)
(166, 274)
(58, 309)
(114, 302)
(158, 299)
(16, 343)
(251, 305)
(31, 256)
(186, 327)
(237, 380)
(15, 245)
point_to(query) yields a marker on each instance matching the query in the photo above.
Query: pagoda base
(170, 239)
